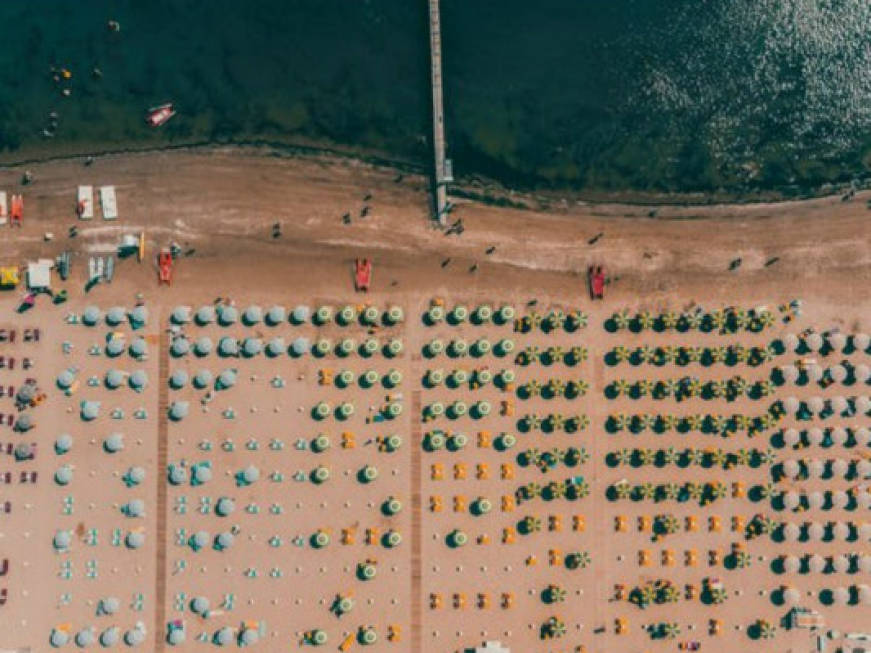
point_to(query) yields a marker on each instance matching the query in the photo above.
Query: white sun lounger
(3, 209)
(108, 203)
(85, 202)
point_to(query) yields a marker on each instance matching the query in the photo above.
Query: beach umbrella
(791, 405)
(62, 540)
(110, 636)
(838, 373)
(839, 404)
(26, 393)
(180, 315)
(863, 561)
(178, 379)
(323, 314)
(248, 637)
(63, 475)
(90, 410)
(300, 314)
(862, 435)
(791, 500)
(58, 638)
(252, 315)
(138, 317)
(321, 474)
(228, 346)
(863, 468)
(863, 499)
(863, 405)
(203, 379)
(201, 474)
(252, 346)
(840, 531)
(791, 468)
(23, 423)
(138, 379)
(861, 341)
(791, 596)
(789, 373)
(63, 443)
(199, 540)
(227, 315)
(840, 595)
(815, 500)
(65, 379)
(134, 637)
(790, 342)
(200, 605)
(367, 636)
(347, 315)
(815, 531)
(815, 436)
(224, 636)
(135, 508)
(138, 348)
(394, 315)
(318, 637)
(180, 347)
(276, 315)
(276, 347)
(113, 443)
(114, 379)
(250, 475)
(791, 564)
(435, 314)
(791, 532)
(863, 594)
(91, 316)
(838, 435)
(816, 405)
(862, 373)
(226, 379)
(840, 499)
(369, 316)
(176, 637)
(134, 539)
(840, 564)
(839, 467)
(863, 531)
(134, 476)
(178, 410)
(109, 605)
(394, 347)
(205, 315)
(300, 346)
(85, 637)
(24, 451)
(369, 347)
(177, 475)
(837, 341)
(814, 341)
(224, 540)
(321, 443)
(459, 314)
(791, 437)
(115, 347)
(816, 563)
(225, 507)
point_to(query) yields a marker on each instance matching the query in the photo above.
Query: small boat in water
(158, 116)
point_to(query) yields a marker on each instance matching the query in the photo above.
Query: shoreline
(475, 187)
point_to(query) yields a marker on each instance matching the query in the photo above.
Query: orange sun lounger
(362, 274)
(16, 211)
(164, 265)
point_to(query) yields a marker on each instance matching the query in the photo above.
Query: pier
(443, 173)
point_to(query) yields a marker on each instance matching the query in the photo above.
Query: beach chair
(459, 600)
(459, 471)
(620, 524)
(714, 524)
(483, 539)
(394, 633)
(435, 601)
(738, 523)
(621, 626)
(691, 524)
(555, 557)
(643, 558)
(508, 503)
(691, 591)
(372, 535)
(620, 593)
(715, 557)
(509, 535)
(667, 558)
(4, 215)
(346, 643)
(348, 440)
(483, 601)
(348, 536)
(579, 523)
(506, 407)
(645, 524)
(482, 471)
(460, 503)
(85, 202)
(506, 471)
(484, 439)
(437, 472)
(715, 627)
(108, 202)
(691, 557)
(435, 503)
(554, 523)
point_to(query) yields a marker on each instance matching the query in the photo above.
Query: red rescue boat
(158, 116)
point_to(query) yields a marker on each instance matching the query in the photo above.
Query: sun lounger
(4, 215)
(108, 202)
(85, 202)
(16, 212)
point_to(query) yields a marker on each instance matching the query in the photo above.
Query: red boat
(158, 116)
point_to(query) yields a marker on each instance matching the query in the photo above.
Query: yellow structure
(8, 276)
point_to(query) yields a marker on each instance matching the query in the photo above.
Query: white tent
(85, 202)
(108, 202)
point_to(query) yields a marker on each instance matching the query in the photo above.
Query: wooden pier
(442, 173)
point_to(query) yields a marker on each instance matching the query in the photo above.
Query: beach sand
(222, 204)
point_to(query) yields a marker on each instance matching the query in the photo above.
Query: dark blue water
(676, 95)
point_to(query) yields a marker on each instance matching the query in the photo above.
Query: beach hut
(252, 315)
(203, 379)
(178, 410)
(110, 637)
(791, 564)
(226, 379)
(63, 475)
(223, 636)
(63, 443)
(139, 348)
(85, 637)
(275, 315)
(62, 540)
(227, 315)
(276, 347)
(300, 314)
(115, 347)
(113, 443)
(251, 347)
(247, 476)
(225, 507)
(205, 315)
(177, 475)
(791, 405)
(58, 638)
(89, 410)
(180, 315)
(134, 636)
(138, 317)
(65, 379)
(135, 539)
(228, 347)
(114, 379)
(178, 379)
(91, 316)
(180, 347)
(248, 637)
(224, 541)
(115, 316)
(816, 563)
(138, 380)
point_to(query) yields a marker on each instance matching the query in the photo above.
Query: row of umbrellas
(460, 347)
(817, 531)
(113, 379)
(63, 539)
(835, 595)
(835, 342)
(137, 316)
(226, 315)
(816, 468)
(203, 379)
(111, 636)
(250, 347)
(460, 313)
(817, 564)
(816, 373)
(176, 635)
(828, 500)
(836, 436)
(138, 347)
(837, 405)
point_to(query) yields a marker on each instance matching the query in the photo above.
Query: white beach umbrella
(838, 436)
(815, 436)
(205, 315)
(109, 605)
(838, 404)
(862, 373)
(252, 315)
(791, 500)
(815, 500)
(181, 315)
(791, 468)
(300, 314)
(839, 498)
(248, 637)
(91, 315)
(250, 474)
(134, 539)
(113, 443)
(863, 499)
(814, 372)
(180, 347)
(276, 315)
(63, 443)
(85, 637)
(203, 379)
(201, 540)
(815, 531)
(134, 637)
(789, 373)
(201, 474)
(791, 405)
(200, 605)
(62, 540)
(252, 346)
(791, 532)
(814, 341)
(815, 467)
(63, 475)
(840, 564)
(227, 315)
(840, 595)
(223, 637)
(791, 564)
(114, 379)
(839, 467)
(862, 436)
(224, 540)
(138, 317)
(863, 531)
(837, 341)
(816, 563)
(65, 379)
(791, 596)
(864, 563)
(177, 475)
(791, 437)
(176, 637)
(178, 410)
(138, 348)
(228, 346)
(116, 315)
(110, 637)
(840, 531)
(816, 405)
(863, 468)
(115, 347)
(138, 379)
(225, 507)
(838, 373)
(226, 379)
(178, 379)
(300, 346)
(863, 594)
(276, 347)
(790, 342)
(861, 341)
(862, 404)
(135, 508)
(58, 638)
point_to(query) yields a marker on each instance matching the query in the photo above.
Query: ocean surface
(651, 95)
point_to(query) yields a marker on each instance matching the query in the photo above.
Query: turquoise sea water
(680, 95)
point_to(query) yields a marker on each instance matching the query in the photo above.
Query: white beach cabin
(108, 203)
(85, 202)
(39, 274)
(3, 214)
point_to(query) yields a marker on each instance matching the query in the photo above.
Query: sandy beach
(293, 547)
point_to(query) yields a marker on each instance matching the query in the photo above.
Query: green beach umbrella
(252, 315)
(392, 506)
(483, 314)
(300, 314)
(367, 636)
(393, 378)
(459, 347)
(435, 314)
(320, 539)
(345, 410)
(320, 443)
(370, 315)
(347, 315)
(483, 377)
(318, 637)
(369, 378)
(435, 377)
(346, 347)
(458, 409)
(505, 346)
(457, 538)
(366, 571)
(180, 315)
(323, 347)
(321, 474)
(506, 314)
(394, 441)
(368, 473)
(459, 377)
(436, 409)
(205, 315)
(394, 348)
(323, 315)
(276, 315)
(459, 314)
(435, 440)
(394, 315)
(369, 347)
(203, 347)
(435, 347)
(227, 315)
